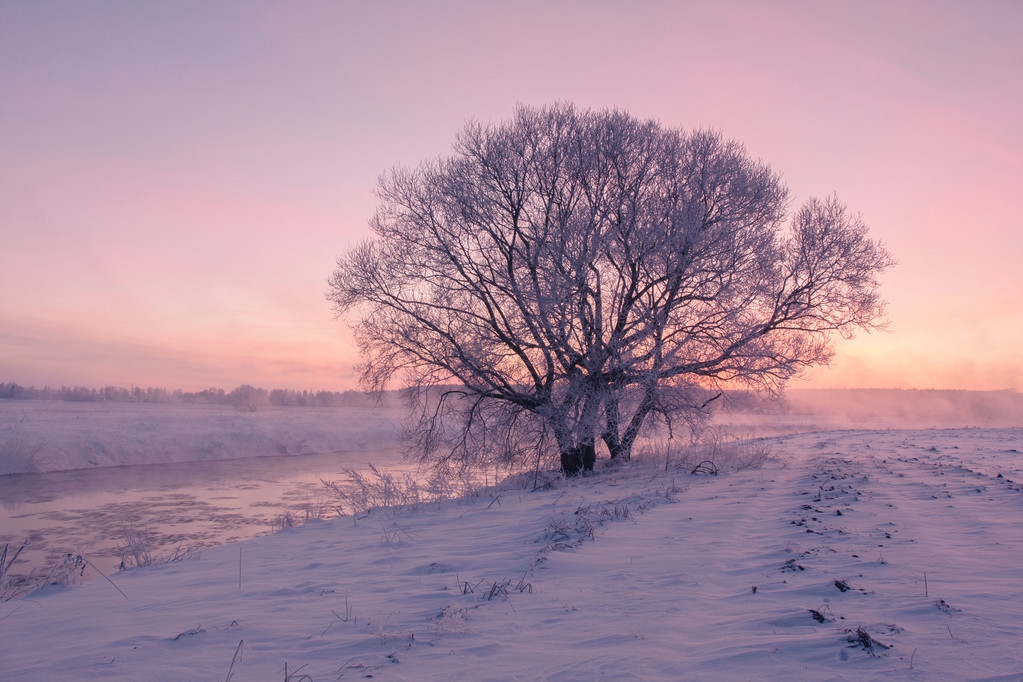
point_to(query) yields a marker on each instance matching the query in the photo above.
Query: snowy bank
(851, 555)
(37, 436)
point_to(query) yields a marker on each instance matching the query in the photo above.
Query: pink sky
(176, 179)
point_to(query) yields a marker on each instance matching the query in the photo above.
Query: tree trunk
(621, 446)
(583, 454)
(578, 459)
(612, 419)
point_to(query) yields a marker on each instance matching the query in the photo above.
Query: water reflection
(190, 504)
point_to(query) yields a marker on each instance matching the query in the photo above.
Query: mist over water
(182, 474)
(38, 436)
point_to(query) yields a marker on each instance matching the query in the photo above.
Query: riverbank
(847, 555)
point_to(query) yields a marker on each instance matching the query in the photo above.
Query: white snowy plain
(849, 555)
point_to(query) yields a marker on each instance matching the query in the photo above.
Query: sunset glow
(177, 179)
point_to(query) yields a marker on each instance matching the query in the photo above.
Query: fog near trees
(245, 396)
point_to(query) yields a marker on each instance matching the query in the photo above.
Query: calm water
(191, 504)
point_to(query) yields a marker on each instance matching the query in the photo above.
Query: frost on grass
(709, 452)
(396, 491)
(137, 548)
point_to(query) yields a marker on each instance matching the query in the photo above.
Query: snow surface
(637, 572)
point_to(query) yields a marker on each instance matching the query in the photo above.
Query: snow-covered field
(856, 554)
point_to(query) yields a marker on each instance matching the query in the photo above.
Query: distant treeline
(245, 396)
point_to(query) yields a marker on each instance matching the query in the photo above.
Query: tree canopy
(564, 278)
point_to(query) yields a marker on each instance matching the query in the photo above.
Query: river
(180, 506)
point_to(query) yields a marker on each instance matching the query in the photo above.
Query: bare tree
(564, 277)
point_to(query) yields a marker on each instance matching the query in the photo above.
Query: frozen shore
(848, 555)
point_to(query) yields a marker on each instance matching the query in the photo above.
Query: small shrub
(138, 548)
(9, 586)
(394, 535)
(284, 521)
(67, 571)
(377, 489)
(862, 638)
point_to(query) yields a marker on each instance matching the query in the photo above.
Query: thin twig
(237, 657)
(105, 577)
